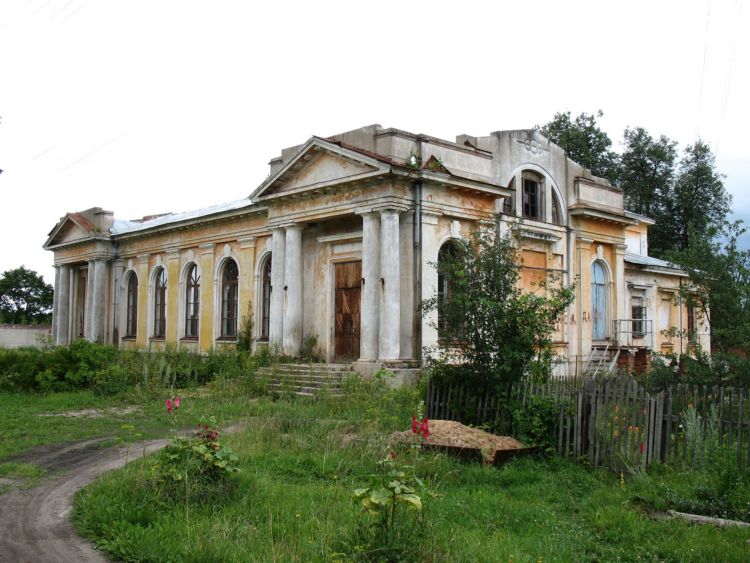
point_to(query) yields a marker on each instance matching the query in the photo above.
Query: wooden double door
(347, 319)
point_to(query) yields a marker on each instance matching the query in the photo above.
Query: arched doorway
(598, 301)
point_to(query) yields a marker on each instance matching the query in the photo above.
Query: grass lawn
(35, 419)
(301, 460)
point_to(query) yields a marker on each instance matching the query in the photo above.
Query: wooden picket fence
(614, 422)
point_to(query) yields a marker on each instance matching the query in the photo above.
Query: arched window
(229, 279)
(556, 212)
(160, 303)
(598, 301)
(131, 313)
(446, 256)
(192, 301)
(265, 296)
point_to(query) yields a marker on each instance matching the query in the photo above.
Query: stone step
(327, 368)
(306, 379)
(303, 375)
(317, 383)
(303, 390)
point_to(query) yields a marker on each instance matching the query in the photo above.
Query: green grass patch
(20, 470)
(36, 419)
(301, 460)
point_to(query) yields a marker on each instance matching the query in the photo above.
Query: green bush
(195, 468)
(534, 424)
(107, 370)
(19, 368)
(700, 368)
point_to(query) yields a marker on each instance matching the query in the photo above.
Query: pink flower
(414, 425)
(169, 406)
(177, 402)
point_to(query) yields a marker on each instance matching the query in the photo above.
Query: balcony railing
(633, 332)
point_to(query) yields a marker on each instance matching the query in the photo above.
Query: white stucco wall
(17, 336)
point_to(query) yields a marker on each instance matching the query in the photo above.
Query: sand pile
(457, 435)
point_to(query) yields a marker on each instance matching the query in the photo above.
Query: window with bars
(131, 312)
(160, 303)
(192, 302)
(229, 287)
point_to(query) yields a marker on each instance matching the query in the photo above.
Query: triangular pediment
(317, 164)
(68, 231)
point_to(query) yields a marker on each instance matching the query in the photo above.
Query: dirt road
(35, 524)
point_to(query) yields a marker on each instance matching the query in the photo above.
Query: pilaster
(142, 270)
(206, 329)
(173, 294)
(246, 281)
(429, 277)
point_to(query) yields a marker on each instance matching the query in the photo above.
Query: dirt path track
(35, 524)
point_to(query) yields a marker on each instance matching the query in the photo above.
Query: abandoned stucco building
(340, 241)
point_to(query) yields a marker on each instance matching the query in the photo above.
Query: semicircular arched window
(160, 303)
(192, 302)
(131, 313)
(599, 303)
(265, 303)
(229, 294)
(446, 325)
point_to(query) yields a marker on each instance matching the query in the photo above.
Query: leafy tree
(646, 170)
(584, 142)
(24, 297)
(699, 203)
(499, 332)
(720, 283)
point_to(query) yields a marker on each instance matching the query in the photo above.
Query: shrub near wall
(107, 370)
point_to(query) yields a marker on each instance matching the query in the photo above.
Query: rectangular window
(531, 207)
(638, 314)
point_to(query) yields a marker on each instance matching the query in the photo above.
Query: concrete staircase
(306, 380)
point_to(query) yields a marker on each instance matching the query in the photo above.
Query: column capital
(294, 227)
(391, 209)
(620, 248)
(143, 258)
(207, 247)
(173, 254)
(246, 242)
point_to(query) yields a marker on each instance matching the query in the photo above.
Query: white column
(429, 253)
(62, 321)
(276, 322)
(88, 318)
(54, 304)
(390, 303)
(293, 287)
(96, 321)
(370, 310)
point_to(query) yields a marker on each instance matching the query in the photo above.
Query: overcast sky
(153, 106)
